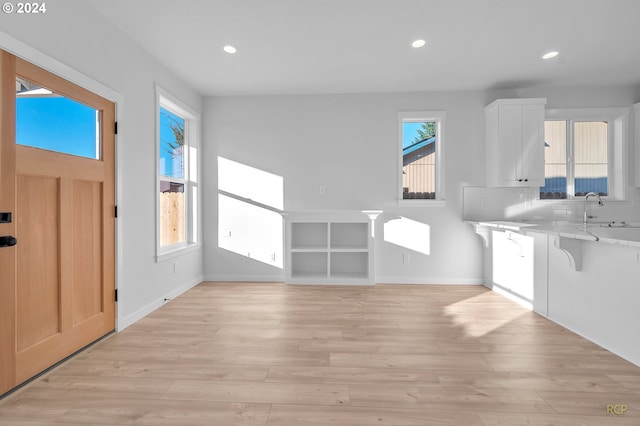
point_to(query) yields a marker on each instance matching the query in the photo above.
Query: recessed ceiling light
(229, 49)
(550, 55)
(418, 43)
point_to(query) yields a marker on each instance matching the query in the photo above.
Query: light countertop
(611, 233)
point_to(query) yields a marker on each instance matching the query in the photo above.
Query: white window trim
(191, 180)
(419, 117)
(618, 148)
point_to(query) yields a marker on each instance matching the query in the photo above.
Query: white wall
(72, 34)
(348, 143)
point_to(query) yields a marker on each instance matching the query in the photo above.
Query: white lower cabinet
(329, 247)
(513, 264)
(514, 267)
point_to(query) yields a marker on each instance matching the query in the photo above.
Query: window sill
(580, 200)
(422, 203)
(172, 254)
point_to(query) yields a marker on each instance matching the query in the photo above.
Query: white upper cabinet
(515, 142)
(636, 125)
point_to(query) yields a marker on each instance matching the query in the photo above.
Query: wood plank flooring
(264, 354)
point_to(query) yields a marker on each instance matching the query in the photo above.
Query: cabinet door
(510, 137)
(532, 163)
(515, 143)
(512, 264)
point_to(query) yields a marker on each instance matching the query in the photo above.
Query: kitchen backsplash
(482, 203)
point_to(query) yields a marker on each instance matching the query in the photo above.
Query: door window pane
(50, 121)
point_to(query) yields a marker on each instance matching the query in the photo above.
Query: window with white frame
(177, 153)
(421, 156)
(584, 152)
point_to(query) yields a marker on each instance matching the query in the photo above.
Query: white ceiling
(351, 46)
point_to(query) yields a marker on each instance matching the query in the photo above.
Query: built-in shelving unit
(329, 247)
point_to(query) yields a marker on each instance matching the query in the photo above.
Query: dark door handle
(8, 241)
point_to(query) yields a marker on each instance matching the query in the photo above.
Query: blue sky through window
(409, 133)
(57, 124)
(171, 154)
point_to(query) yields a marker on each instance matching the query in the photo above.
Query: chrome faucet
(586, 216)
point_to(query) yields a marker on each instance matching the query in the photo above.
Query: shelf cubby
(349, 265)
(309, 264)
(352, 235)
(309, 235)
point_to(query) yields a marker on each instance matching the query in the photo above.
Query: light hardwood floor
(275, 355)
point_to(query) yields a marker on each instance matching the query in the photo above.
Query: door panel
(511, 134)
(87, 250)
(38, 295)
(63, 285)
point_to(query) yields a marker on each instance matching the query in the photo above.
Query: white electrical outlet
(323, 189)
(406, 258)
(175, 267)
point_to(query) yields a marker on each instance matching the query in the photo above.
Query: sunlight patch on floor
(477, 317)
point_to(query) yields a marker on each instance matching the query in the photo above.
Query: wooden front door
(58, 281)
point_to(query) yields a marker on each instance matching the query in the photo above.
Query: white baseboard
(247, 278)
(146, 310)
(512, 296)
(633, 358)
(430, 280)
(381, 280)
